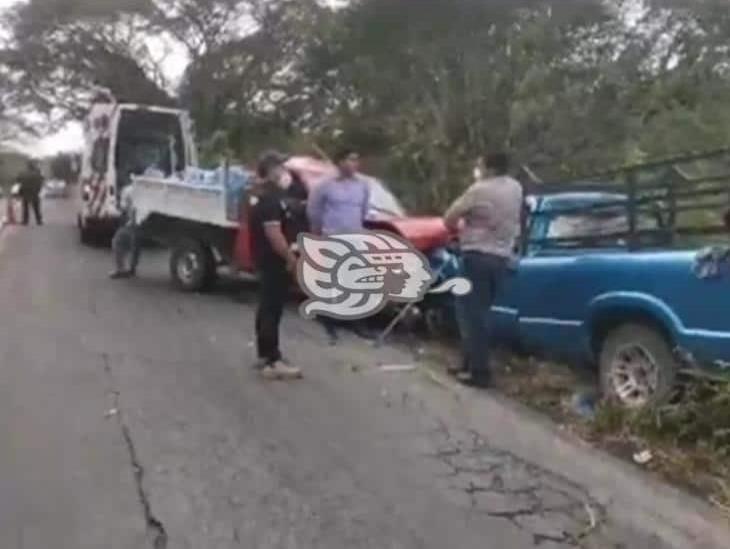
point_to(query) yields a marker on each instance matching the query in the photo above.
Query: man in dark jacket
(31, 183)
(276, 263)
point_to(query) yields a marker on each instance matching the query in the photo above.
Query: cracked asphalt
(130, 418)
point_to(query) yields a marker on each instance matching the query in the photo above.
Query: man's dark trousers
(34, 202)
(486, 273)
(273, 291)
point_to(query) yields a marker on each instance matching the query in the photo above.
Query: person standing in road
(125, 243)
(340, 206)
(276, 263)
(491, 211)
(31, 184)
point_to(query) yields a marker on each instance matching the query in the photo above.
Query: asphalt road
(130, 418)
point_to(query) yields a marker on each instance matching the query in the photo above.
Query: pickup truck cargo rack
(687, 195)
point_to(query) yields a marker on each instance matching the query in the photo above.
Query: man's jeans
(125, 244)
(274, 282)
(486, 273)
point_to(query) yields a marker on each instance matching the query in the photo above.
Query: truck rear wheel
(638, 367)
(192, 266)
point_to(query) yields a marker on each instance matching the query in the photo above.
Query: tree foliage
(422, 88)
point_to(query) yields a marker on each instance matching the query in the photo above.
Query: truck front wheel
(192, 266)
(638, 367)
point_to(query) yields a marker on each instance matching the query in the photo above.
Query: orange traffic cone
(10, 211)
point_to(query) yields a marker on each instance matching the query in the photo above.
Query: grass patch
(689, 438)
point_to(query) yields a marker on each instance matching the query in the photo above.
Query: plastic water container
(235, 187)
(192, 176)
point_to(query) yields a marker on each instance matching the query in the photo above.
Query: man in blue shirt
(340, 206)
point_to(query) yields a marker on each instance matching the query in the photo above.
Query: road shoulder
(631, 498)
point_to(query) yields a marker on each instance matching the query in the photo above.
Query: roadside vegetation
(569, 86)
(688, 438)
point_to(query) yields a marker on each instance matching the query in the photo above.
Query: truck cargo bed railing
(687, 196)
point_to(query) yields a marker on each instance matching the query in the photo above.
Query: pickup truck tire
(637, 366)
(192, 266)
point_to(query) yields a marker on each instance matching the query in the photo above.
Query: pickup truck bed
(196, 223)
(191, 220)
(176, 199)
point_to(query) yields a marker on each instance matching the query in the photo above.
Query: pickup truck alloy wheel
(637, 366)
(634, 375)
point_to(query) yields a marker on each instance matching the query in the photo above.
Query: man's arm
(458, 210)
(366, 202)
(275, 234)
(315, 208)
(271, 213)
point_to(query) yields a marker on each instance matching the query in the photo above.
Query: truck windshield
(383, 203)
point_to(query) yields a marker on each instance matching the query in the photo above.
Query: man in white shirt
(489, 216)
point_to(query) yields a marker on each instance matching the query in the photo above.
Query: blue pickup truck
(640, 316)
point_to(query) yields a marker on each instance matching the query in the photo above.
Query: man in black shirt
(275, 263)
(31, 184)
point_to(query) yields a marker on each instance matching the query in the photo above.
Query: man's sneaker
(287, 371)
(479, 382)
(464, 376)
(269, 372)
(118, 275)
(279, 371)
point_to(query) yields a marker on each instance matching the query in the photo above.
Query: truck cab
(122, 140)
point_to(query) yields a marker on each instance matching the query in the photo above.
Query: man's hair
(498, 162)
(342, 153)
(268, 161)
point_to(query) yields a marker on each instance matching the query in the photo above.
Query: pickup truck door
(549, 295)
(541, 303)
